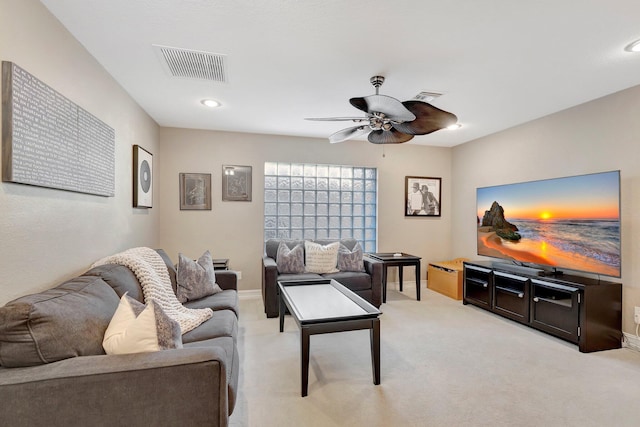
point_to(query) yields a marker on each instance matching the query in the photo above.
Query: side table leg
(418, 280)
(304, 359)
(375, 350)
(400, 275)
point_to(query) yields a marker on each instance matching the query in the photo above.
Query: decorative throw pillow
(290, 261)
(136, 328)
(196, 280)
(321, 259)
(350, 260)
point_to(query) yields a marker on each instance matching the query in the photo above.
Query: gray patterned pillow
(350, 260)
(290, 261)
(196, 279)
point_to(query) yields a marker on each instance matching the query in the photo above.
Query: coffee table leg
(400, 276)
(304, 359)
(375, 350)
(281, 310)
(384, 283)
(418, 280)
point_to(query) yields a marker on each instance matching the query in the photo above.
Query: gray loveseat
(66, 379)
(367, 284)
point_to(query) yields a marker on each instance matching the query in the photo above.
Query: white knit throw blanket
(152, 273)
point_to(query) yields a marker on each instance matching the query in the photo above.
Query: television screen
(571, 223)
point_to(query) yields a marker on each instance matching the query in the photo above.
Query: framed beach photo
(195, 191)
(236, 183)
(422, 196)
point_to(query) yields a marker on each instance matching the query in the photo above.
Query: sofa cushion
(223, 324)
(290, 261)
(350, 259)
(136, 328)
(66, 321)
(196, 279)
(225, 300)
(319, 258)
(353, 280)
(349, 242)
(120, 278)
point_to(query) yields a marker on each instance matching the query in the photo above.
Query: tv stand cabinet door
(477, 286)
(511, 296)
(555, 309)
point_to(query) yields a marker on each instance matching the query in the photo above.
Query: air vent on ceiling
(426, 96)
(193, 64)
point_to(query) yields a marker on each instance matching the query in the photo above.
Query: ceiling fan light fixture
(633, 46)
(211, 103)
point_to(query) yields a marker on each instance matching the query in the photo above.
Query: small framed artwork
(195, 191)
(236, 183)
(422, 196)
(142, 178)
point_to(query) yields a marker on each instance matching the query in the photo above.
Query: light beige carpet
(443, 364)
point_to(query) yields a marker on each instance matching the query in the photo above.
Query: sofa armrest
(227, 279)
(270, 286)
(374, 268)
(171, 387)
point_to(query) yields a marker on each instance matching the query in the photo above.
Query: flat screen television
(568, 223)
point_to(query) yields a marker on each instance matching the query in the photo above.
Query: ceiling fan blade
(348, 133)
(338, 119)
(428, 119)
(391, 136)
(387, 105)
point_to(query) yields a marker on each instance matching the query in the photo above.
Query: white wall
(597, 136)
(49, 235)
(235, 230)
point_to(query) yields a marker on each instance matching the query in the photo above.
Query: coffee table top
(324, 300)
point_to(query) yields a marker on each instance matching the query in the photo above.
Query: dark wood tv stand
(581, 310)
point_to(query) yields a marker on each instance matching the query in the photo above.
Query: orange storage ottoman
(446, 277)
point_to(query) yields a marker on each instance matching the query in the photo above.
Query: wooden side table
(400, 260)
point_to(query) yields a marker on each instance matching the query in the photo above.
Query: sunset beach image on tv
(565, 223)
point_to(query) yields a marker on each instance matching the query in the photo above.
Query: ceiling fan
(389, 121)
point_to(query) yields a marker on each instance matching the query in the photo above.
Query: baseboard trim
(631, 341)
(250, 294)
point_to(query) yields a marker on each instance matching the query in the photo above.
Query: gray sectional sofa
(55, 372)
(367, 284)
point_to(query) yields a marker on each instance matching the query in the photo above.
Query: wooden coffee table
(324, 306)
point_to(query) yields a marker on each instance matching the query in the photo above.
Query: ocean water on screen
(595, 239)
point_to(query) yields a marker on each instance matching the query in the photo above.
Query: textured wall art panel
(48, 141)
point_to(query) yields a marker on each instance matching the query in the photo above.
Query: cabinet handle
(511, 291)
(536, 299)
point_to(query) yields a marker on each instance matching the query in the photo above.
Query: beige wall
(49, 235)
(598, 136)
(234, 230)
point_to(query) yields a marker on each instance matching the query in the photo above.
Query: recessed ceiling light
(633, 46)
(210, 103)
(454, 126)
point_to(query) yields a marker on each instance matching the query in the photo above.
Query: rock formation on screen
(494, 218)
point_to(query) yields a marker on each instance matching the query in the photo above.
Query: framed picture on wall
(195, 191)
(422, 196)
(142, 178)
(236, 183)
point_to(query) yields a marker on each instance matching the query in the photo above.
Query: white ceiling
(499, 63)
